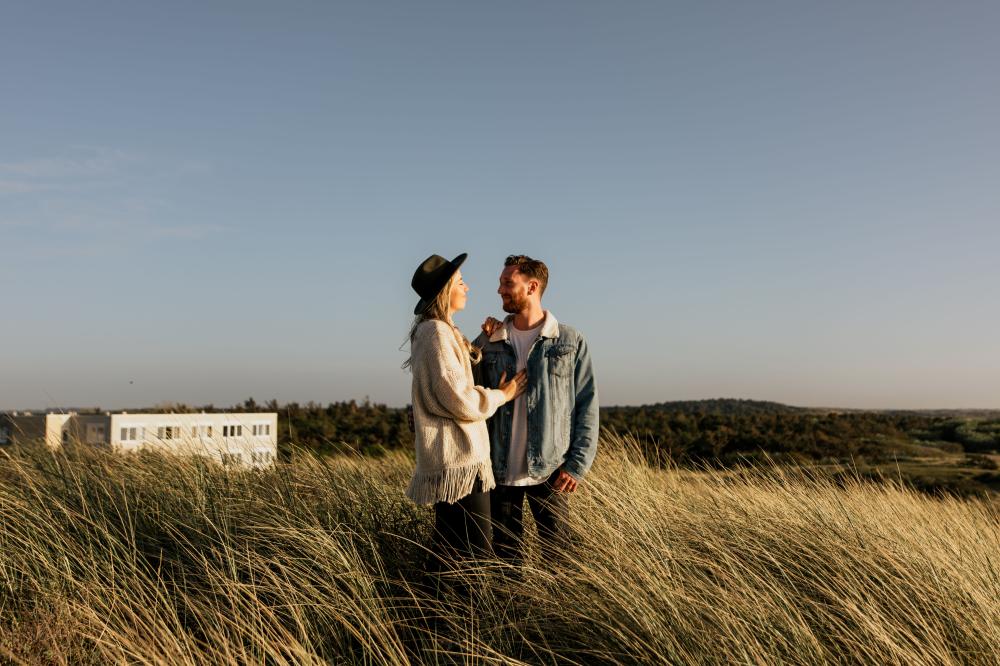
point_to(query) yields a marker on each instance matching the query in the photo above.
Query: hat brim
(454, 264)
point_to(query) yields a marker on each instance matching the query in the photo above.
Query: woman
(453, 469)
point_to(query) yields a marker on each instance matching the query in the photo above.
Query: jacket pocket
(560, 360)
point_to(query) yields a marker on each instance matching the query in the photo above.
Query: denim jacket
(561, 400)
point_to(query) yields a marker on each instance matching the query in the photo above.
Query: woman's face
(458, 293)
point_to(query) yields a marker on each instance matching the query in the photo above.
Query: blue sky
(201, 202)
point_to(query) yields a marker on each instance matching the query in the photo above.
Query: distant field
(962, 474)
(156, 560)
(937, 451)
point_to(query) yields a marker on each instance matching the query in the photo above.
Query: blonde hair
(440, 309)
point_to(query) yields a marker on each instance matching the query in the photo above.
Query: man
(543, 442)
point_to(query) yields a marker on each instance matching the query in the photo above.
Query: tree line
(719, 431)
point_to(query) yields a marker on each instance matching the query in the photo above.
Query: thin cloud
(65, 251)
(105, 196)
(81, 163)
(196, 168)
(23, 187)
(12, 223)
(187, 232)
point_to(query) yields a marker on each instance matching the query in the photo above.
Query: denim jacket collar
(550, 328)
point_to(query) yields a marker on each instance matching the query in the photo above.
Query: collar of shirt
(550, 328)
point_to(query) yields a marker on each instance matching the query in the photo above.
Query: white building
(231, 439)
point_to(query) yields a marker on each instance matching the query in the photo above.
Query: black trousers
(462, 530)
(548, 508)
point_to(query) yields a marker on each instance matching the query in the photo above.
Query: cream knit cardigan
(449, 417)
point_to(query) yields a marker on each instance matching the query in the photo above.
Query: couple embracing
(512, 416)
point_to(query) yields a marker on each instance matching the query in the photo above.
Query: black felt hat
(431, 277)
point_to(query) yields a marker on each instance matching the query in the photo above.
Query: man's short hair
(532, 268)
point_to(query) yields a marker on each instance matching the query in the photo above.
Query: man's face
(514, 288)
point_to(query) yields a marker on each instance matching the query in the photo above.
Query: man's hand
(564, 483)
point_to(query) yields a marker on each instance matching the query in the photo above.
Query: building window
(4, 434)
(129, 434)
(65, 436)
(260, 457)
(232, 431)
(168, 432)
(95, 434)
(230, 459)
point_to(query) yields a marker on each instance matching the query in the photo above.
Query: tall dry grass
(152, 559)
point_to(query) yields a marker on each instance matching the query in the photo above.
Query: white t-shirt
(517, 458)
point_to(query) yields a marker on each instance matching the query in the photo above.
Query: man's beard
(513, 305)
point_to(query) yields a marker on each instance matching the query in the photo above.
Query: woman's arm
(439, 371)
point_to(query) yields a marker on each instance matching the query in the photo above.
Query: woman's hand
(515, 386)
(491, 325)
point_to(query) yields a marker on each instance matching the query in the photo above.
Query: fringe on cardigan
(450, 484)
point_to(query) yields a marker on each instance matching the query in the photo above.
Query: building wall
(55, 426)
(231, 439)
(23, 429)
(89, 429)
(55, 429)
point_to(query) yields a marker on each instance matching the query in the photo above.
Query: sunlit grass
(155, 559)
